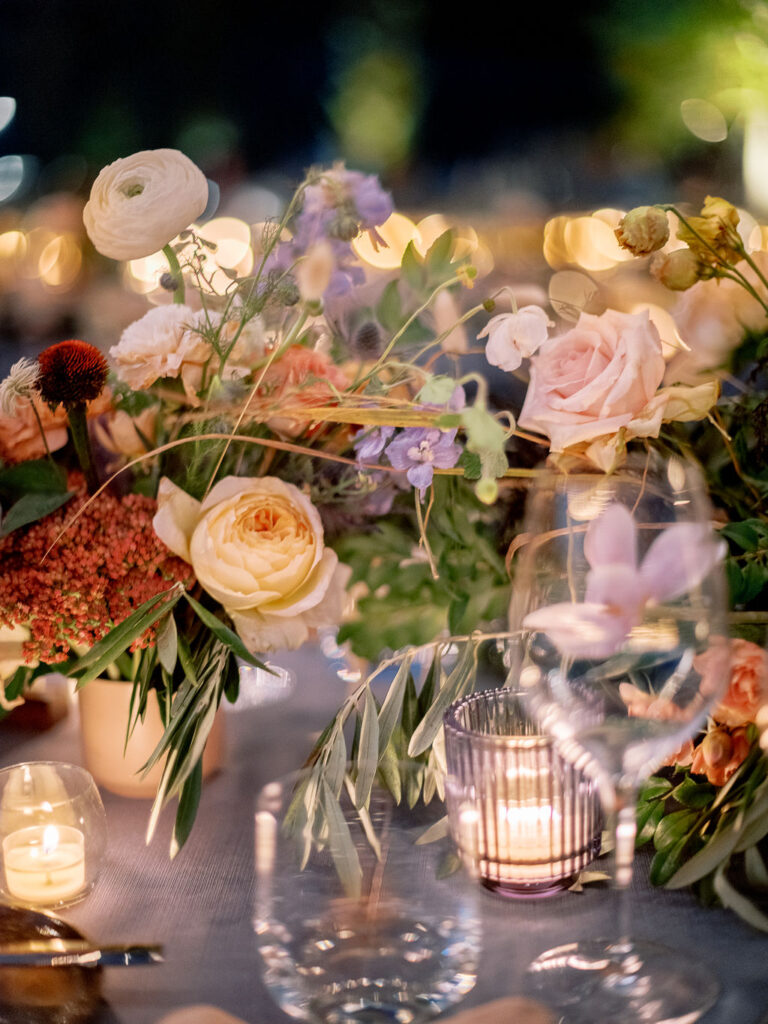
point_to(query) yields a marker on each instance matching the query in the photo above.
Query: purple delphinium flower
(370, 444)
(420, 450)
(336, 207)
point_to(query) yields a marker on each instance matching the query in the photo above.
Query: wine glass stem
(626, 829)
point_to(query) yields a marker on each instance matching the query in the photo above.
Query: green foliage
(396, 743)
(404, 604)
(30, 491)
(747, 563)
(713, 839)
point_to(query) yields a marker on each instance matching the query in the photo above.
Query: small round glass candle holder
(525, 821)
(53, 834)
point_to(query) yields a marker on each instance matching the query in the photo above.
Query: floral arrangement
(261, 446)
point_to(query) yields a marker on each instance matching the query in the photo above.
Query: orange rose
(301, 377)
(748, 681)
(20, 434)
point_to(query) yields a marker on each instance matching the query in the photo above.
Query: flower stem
(175, 268)
(42, 431)
(78, 428)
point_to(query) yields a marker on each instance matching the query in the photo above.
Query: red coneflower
(71, 372)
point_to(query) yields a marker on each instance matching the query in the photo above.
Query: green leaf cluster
(30, 491)
(747, 563)
(713, 839)
(396, 742)
(404, 605)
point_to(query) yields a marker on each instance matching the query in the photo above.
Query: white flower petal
(176, 517)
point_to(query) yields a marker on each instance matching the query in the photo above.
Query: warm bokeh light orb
(397, 232)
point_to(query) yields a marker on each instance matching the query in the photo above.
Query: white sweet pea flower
(138, 204)
(513, 337)
(256, 545)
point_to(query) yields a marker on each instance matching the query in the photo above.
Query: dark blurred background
(502, 115)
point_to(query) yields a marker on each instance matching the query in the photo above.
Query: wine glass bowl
(619, 592)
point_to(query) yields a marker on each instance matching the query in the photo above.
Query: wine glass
(395, 938)
(618, 589)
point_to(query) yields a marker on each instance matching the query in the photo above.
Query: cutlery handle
(95, 956)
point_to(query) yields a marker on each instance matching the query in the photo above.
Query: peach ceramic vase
(104, 708)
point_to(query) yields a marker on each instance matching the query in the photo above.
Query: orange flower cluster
(726, 744)
(107, 563)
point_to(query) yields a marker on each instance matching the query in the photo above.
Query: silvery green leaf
(167, 643)
(435, 832)
(737, 902)
(458, 682)
(341, 846)
(365, 820)
(393, 703)
(367, 751)
(414, 778)
(188, 804)
(389, 766)
(103, 653)
(706, 860)
(755, 824)
(449, 864)
(337, 762)
(313, 808)
(757, 873)
(430, 785)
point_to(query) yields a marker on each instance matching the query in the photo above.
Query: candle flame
(50, 839)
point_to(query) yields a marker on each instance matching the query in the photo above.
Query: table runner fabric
(199, 906)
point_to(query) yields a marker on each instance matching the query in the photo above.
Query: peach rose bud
(313, 273)
(643, 230)
(678, 270)
(716, 748)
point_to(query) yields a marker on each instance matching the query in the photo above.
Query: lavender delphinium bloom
(420, 450)
(370, 444)
(337, 207)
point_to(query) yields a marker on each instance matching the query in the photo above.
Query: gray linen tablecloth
(199, 906)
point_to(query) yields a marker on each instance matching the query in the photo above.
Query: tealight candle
(525, 821)
(44, 864)
(52, 834)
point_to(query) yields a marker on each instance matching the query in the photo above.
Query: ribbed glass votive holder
(524, 820)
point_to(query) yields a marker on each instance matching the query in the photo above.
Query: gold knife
(58, 952)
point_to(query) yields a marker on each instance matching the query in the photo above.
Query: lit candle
(44, 864)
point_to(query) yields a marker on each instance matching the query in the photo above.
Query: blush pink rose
(712, 318)
(594, 379)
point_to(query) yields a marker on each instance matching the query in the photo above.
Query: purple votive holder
(525, 821)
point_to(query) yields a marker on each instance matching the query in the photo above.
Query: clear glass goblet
(402, 943)
(619, 589)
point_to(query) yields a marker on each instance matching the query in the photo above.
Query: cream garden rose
(138, 204)
(256, 545)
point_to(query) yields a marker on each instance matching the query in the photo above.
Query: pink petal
(612, 538)
(581, 630)
(679, 559)
(617, 585)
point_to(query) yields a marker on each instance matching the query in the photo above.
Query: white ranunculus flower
(138, 204)
(256, 545)
(159, 345)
